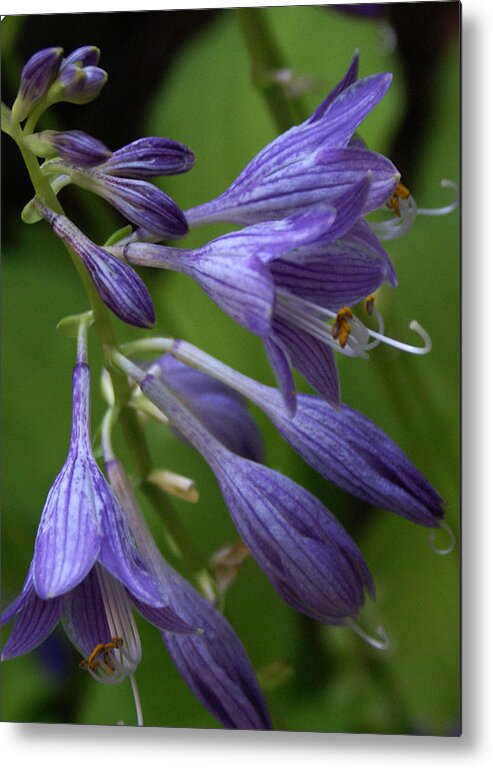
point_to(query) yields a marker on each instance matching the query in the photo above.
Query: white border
(120, 747)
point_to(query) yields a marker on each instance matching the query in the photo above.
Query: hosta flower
(343, 445)
(308, 556)
(138, 201)
(119, 286)
(312, 163)
(214, 663)
(36, 78)
(284, 280)
(86, 567)
(222, 410)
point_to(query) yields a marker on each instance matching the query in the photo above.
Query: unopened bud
(36, 78)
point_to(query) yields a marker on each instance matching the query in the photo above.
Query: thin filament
(381, 642)
(451, 537)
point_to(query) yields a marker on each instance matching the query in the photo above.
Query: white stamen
(445, 183)
(121, 624)
(414, 326)
(381, 642)
(314, 319)
(451, 537)
(138, 705)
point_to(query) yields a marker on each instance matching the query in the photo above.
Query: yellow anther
(400, 193)
(101, 651)
(369, 304)
(342, 327)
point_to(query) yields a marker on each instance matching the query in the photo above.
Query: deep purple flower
(222, 410)
(343, 445)
(308, 556)
(138, 201)
(283, 280)
(312, 163)
(80, 85)
(119, 286)
(214, 663)
(76, 147)
(149, 157)
(36, 78)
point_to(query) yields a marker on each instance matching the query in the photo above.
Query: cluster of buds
(292, 275)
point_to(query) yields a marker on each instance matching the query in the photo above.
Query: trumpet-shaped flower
(214, 663)
(308, 556)
(283, 280)
(312, 163)
(343, 445)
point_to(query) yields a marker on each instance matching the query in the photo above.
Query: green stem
(266, 58)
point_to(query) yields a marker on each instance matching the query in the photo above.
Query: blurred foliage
(206, 100)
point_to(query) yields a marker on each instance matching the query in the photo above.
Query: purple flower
(36, 78)
(85, 56)
(343, 445)
(149, 157)
(80, 85)
(312, 163)
(76, 147)
(119, 286)
(214, 663)
(283, 280)
(308, 556)
(138, 201)
(222, 411)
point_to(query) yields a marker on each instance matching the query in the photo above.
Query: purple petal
(140, 202)
(242, 287)
(308, 556)
(80, 86)
(85, 615)
(85, 56)
(68, 539)
(348, 449)
(215, 666)
(219, 407)
(349, 78)
(119, 286)
(36, 77)
(118, 553)
(281, 365)
(166, 618)
(149, 157)
(36, 619)
(77, 147)
(313, 359)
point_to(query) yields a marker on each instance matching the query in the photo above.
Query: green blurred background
(187, 75)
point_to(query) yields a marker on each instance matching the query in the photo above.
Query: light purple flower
(149, 157)
(343, 445)
(80, 85)
(76, 147)
(36, 78)
(311, 163)
(119, 286)
(222, 410)
(308, 556)
(283, 280)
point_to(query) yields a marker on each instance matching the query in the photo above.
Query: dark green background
(203, 96)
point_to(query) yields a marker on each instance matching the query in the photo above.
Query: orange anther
(101, 650)
(400, 193)
(342, 328)
(369, 304)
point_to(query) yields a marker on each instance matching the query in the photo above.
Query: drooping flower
(312, 163)
(343, 445)
(117, 283)
(86, 567)
(308, 556)
(222, 410)
(214, 663)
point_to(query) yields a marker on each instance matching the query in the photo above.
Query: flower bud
(86, 56)
(36, 78)
(75, 147)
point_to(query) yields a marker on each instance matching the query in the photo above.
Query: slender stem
(102, 319)
(266, 59)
